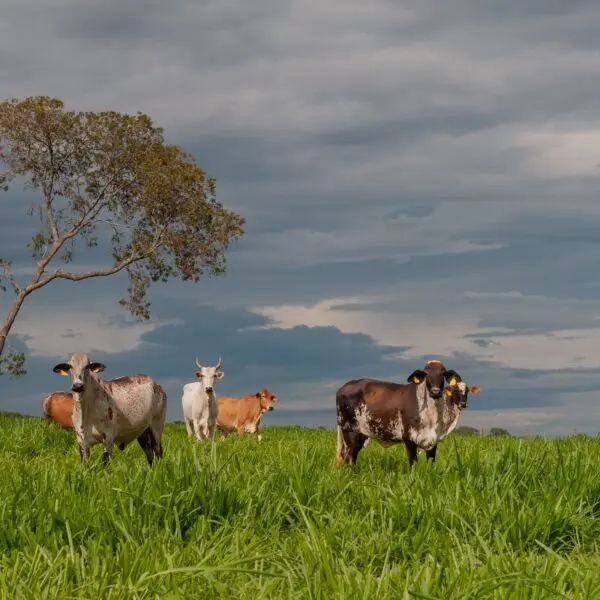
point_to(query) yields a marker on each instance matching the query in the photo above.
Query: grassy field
(493, 518)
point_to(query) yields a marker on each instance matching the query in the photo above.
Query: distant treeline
(465, 430)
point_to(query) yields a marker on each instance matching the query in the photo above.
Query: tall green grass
(493, 518)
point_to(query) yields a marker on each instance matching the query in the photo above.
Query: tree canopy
(107, 179)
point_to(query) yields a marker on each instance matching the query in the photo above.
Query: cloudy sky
(420, 180)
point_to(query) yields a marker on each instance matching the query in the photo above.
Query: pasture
(493, 518)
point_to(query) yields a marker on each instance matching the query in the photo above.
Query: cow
(418, 414)
(244, 414)
(58, 407)
(457, 394)
(114, 411)
(199, 402)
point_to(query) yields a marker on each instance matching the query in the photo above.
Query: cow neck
(445, 408)
(451, 410)
(87, 403)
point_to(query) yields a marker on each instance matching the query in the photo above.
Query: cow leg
(82, 442)
(145, 441)
(156, 443)
(108, 441)
(257, 432)
(198, 430)
(353, 443)
(411, 450)
(240, 432)
(430, 454)
(190, 428)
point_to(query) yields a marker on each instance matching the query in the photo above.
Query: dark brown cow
(58, 407)
(418, 414)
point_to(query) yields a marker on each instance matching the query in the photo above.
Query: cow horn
(198, 363)
(219, 363)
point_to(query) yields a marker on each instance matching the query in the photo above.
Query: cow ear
(97, 367)
(62, 369)
(219, 374)
(198, 374)
(474, 389)
(258, 395)
(452, 377)
(416, 376)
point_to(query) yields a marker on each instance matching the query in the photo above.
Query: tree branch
(133, 258)
(8, 275)
(49, 192)
(91, 213)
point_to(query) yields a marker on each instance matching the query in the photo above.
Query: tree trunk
(10, 319)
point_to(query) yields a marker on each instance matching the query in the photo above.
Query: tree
(499, 431)
(110, 180)
(466, 430)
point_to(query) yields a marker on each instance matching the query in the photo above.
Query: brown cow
(58, 407)
(243, 414)
(418, 414)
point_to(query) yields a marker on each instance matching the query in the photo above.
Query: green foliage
(110, 179)
(494, 518)
(465, 430)
(13, 363)
(499, 431)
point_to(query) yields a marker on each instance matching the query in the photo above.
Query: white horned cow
(114, 411)
(199, 402)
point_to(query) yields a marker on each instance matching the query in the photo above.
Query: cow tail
(46, 408)
(338, 454)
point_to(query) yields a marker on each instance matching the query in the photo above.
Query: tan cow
(243, 414)
(58, 407)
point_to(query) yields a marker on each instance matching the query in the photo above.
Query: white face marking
(207, 376)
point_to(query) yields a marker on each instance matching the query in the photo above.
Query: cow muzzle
(78, 388)
(209, 390)
(436, 392)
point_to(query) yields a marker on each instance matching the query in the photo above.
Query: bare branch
(49, 192)
(133, 258)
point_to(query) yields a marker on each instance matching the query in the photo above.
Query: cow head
(458, 393)
(435, 375)
(81, 371)
(268, 400)
(207, 375)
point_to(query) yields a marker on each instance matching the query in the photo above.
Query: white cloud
(577, 413)
(445, 334)
(562, 152)
(59, 332)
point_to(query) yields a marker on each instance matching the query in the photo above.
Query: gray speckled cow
(114, 411)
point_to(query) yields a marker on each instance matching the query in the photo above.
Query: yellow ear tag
(63, 372)
(96, 370)
(448, 392)
(452, 381)
(416, 380)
